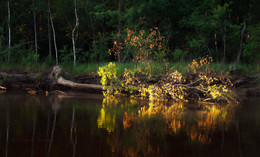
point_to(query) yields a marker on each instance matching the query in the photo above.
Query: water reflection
(68, 126)
(7, 132)
(198, 124)
(34, 130)
(55, 103)
(73, 131)
(162, 119)
(106, 119)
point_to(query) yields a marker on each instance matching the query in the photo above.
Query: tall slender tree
(49, 35)
(73, 32)
(241, 43)
(53, 31)
(34, 25)
(9, 31)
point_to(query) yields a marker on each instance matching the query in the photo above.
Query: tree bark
(224, 47)
(24, 80)
(35, 30)
(67, 83)
(49, 35)
(207, 48)
(54, 36)
(73, 32)
(241, 42)
(9, 31)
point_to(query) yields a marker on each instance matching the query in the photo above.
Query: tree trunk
(49, 35)
(240, 46)
(9, 31)
(25, 80)
(54, 36)
(224, 47)
(35, 30)
(120, 29)
(207, 48)
(73, 32)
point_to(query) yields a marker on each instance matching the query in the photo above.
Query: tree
(53, 31)
(251, 48)
(220, 17)
(73, 32)
(241, 42)
(35, 27)
(49, 33)
(9, 31)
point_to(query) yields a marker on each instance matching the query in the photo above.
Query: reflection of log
(2, 88)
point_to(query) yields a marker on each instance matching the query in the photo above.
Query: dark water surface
(87, 125)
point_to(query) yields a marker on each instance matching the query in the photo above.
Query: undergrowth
(199, 83)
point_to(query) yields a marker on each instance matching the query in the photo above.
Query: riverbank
(40, 82)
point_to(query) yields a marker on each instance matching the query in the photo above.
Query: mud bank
(246, 86)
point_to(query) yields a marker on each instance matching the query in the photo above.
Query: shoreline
(245, 86)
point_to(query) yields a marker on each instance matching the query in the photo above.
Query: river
(88, 125)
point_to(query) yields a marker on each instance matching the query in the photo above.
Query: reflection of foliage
(146, 125)
(152, 109)
(127, 121)
(106, 120)
(110, 109)
(215, 117)
(177, 119)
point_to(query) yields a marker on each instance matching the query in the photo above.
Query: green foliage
(65, 55)
(178, 54)
(202, 82)
(31, 58)
(252, 45)
(109, 77)
(210, 28)
(191, 31)
(98, 51)
(130, 82)
(2, 47)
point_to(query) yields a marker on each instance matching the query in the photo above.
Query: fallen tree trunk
(67, 83)
(45, 81)
(57, 79)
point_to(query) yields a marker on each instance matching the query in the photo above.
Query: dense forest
(88, 31)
